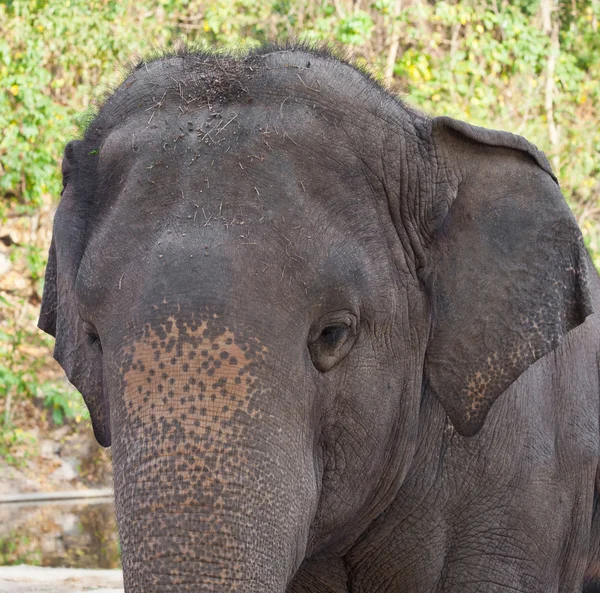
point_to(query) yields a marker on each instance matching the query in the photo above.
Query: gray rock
(5, 264)
(48, 448)
(67, 470)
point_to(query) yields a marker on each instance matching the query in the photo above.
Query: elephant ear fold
(506, 270)
(496, 138)
(48, 312)
(47, 318)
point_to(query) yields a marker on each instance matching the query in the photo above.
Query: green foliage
(36, 259)
(47, 82)
(63, 403)
(23, 352)
(355, 29)
(19, 364)
(16, 447)
(240, 23)
(29, 116)
(15, 548)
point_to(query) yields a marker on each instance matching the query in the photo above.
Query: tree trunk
(394, 43)
(551, 25)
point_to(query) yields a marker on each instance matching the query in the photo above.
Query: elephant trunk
(214, 477)
(197, 530)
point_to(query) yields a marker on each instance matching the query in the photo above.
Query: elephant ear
(80, 357)
(506, 271)
(47, 319)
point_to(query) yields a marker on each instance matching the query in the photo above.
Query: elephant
(335, 344)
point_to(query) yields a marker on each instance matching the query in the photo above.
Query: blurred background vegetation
(528, 66)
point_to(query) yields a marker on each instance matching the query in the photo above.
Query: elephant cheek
(199, 484)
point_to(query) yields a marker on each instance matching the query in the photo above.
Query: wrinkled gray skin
(335, 345)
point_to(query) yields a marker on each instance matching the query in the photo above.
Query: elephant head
(259, 267)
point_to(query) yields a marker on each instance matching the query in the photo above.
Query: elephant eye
(89, 329)
(333, 340)
(331, 334)
(92, 333)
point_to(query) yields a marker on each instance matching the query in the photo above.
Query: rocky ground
(34, 579)
(69, 534)
(62, 458)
